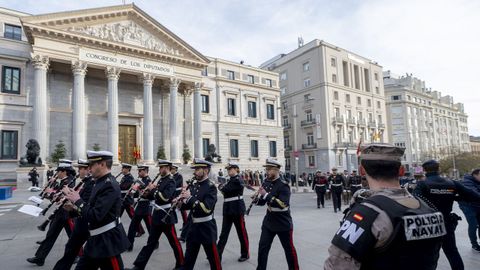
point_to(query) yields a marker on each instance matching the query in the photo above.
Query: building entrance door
(127, 140)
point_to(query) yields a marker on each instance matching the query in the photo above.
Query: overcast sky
(437, 41)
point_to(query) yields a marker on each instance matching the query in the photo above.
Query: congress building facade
(116, 78)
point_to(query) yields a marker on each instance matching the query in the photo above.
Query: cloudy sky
(438, 40)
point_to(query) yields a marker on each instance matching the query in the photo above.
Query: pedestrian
(337, 183)
(102, 212)
(390, 229)
(320, 184)
(163, 219)
(471, 210)
(200, 199)
(354, 182)
(275, 193)
(442, 193)
(33, 174)
(233, 212)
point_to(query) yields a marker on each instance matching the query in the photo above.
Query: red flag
(358, 148)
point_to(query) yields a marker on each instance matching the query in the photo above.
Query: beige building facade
(331, 100)
(116, 78)
(429, 124)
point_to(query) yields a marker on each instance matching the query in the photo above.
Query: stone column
(197, 120)
(174, 82)
(40, 104)
(147, 118)
(113, 74)
(79, 128)
(187, 115)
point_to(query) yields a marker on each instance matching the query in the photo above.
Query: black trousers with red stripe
(286, 239)
(131, 213)
(110, 263)
(155, 233)
(58, 223)
(74, 245)
(136, 221)
(191, 253)
(239, 222)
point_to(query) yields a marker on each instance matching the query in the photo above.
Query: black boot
(476, 247)
(242, 259)
(36, 260)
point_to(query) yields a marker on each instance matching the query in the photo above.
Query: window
(283, 76)
(379, 106)
(10, 80)
(306, 66)
(347, 98)
(254, 148)
(268, 82)
(335, 95)
(230, 74)
(285, 121)
(336, 112)
(205, 104)
(379, 119)
(366, 73)
(309, 115)
(311, 161)
(396, 97)
(310, 140)
(205, 144)
(340, 160)
(306, 97)
(359, 100)
(369, 102)
(285, 105)
(377, 90)
(250, 79)
(9, 144)
(283, 90)
(349, 114)
(306, 83)
(252, 109)
(234, 148)
(356, 76)
(13, 32)
(272, 146)
(376, 76)
(231, 107)
(345, 73)
(333, 62)
(360, 115)
(334, 78)
(270, 112)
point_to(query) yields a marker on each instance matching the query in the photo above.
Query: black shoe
(39, 242)
(130, 248)
(36, 261)
(476, 247)
(242, 259)
(139, 234)
(76, 260)
(181, 239)
(157, 245)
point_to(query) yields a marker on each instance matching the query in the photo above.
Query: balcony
(362, 123)
(381, 126)
(306, 123)
(337, 120)
(351, 121)
(287, 126)
(309, 146)
(339, 145)
(372, 124)
(288, 148)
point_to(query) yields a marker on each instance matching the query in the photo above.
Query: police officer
(80, 232)
(337, 182)
(178, 189)
(33, 174)
(320, 184)
(142, 209)
(354, 182)
(127, 203)
(275, 193)
(61, 219)
(201, 200)
(391, 229)
(233, 211)
(102, 212)
(442, 193)
(163, 219)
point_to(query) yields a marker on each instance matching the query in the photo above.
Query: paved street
(313, 231)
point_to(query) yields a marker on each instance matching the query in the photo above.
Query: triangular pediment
(124, 25)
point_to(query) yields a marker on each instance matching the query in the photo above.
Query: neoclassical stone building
(115, 77)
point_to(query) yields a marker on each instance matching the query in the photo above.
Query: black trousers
(186, 227)
(320, 198)
(286, 239)
(110, 263)
(131, 213)
(337, 199)
(155, 233)
(59, 222)
(449, 247)
(136, 222)
(239, 222)
(191, 253)
(74, 245)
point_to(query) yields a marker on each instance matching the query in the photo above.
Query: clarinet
(255, 198)
(118, 175)
(44, 225)
(48, 185)
(190, 183)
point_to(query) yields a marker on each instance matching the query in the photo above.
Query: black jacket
(278, 218)
(102, 209)
(474, 185)
(178, 183)
(337, 182)
(163, 195)
(202, 204)
(233, 188)
(142, 206)
(125, 184)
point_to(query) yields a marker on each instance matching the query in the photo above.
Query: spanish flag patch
(357, 217)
